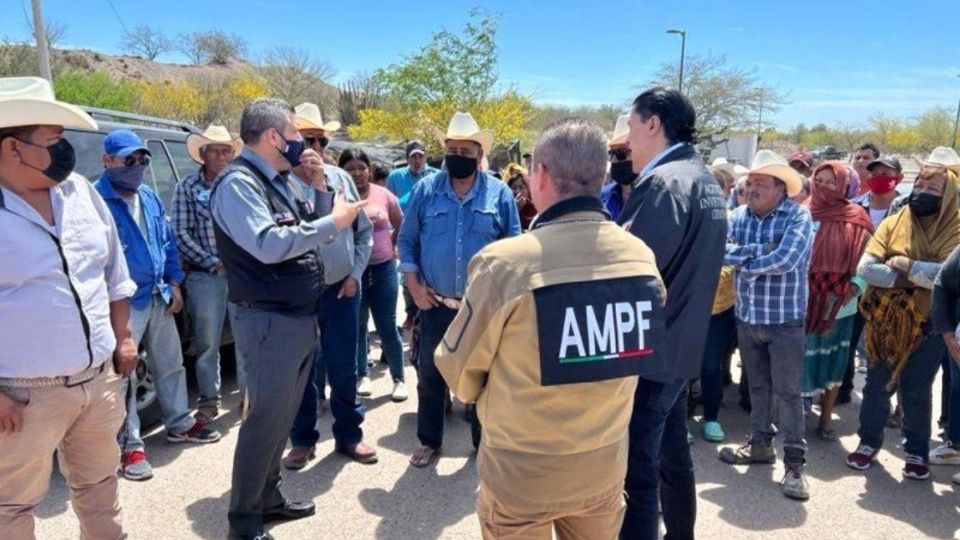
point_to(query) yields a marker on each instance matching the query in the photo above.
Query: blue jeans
(721, 340)
(916, 388)
(380, 292)
(157, 332)
(953, 430)
(336, 356)
(206, 303)
(431, 388)
(659, 459)
(773, 356)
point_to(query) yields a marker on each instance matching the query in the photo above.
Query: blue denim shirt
(612, 197)
(441, 233)
(153, 261)
(401, 182)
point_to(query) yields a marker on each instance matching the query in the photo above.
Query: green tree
(934, 128)
(458, 67)
(96, 89)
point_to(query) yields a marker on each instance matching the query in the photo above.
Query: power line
(117, 13)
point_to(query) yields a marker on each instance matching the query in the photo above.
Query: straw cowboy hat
(308, 117)
(770, 163)
(735, 169)
(944, 156)
(464, 128)
(213, 135)
(29, 101)
(620, 131)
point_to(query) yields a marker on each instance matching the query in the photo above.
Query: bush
(96, 89)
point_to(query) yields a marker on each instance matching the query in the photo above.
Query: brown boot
(360, 452)
(299, 456)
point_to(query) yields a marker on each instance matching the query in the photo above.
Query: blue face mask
(292, 150)
(128, 177)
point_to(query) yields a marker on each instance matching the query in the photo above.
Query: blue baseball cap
(122, 143)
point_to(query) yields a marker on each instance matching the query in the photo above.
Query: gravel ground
(390, 500)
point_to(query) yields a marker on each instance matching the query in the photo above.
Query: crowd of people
(622, 273)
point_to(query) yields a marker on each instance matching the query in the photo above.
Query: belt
(48, 382)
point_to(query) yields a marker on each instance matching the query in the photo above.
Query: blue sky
(838, 61)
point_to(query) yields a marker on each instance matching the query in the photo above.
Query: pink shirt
(379, 203)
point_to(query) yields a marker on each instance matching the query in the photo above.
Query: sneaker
(795, 485)
(862, 458)
(713, 432)
(364, 387)
(945, 454)
(915, 468)
(134, 466)
(399, 391)
(196, 434)
(749, 454)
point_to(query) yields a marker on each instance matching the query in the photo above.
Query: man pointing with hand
(267, 235)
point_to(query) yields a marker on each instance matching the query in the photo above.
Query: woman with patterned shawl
(900, 265)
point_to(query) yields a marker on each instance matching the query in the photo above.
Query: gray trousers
(278, 351)
(773, 356)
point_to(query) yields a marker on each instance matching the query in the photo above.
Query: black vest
(291, 287)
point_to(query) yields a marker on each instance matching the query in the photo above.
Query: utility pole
(956, 124)
(760, 117)
(43, 50)
(683, 53)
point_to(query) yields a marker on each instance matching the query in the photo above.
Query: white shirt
(41, 330)
(657, 158)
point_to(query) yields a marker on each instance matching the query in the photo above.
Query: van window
(182, 161)
(88, 146)
(161, 171)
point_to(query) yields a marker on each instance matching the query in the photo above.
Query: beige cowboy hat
(308, 117)
(621, 130)
(464, 128)
(29, 101)
(944, 156)
(736, 169)
(773, 164)
(212, 135)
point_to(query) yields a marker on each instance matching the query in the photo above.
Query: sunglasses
(621, 154)
(311, 140)
(132, 160)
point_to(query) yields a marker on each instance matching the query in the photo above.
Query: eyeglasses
(621, 154)
(311, 140)
(132, 160)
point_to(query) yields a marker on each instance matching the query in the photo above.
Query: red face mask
(881, 185)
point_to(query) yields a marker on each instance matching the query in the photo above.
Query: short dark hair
(674, 110)
(262, 114)
(17, 132)
(380, 172)
(869, 146)
(351, 154)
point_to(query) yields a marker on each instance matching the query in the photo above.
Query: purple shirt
(379, 203)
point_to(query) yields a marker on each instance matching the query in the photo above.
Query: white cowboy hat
(308, 117)
(736, 169)
(620, 131)
(214, 134)
(464, 128)
(29, 101)
(945, 156)
(773, 164)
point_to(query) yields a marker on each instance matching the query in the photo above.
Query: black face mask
(460, 166)
(924, 204)
(622, 172)
(62, 160)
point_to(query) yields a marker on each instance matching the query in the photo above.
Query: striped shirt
(193, 223)
(772, 257)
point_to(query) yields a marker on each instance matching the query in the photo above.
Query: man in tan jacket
(555, 327)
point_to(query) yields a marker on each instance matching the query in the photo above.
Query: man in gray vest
(267, 234)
